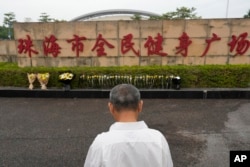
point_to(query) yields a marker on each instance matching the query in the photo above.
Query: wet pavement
(57, 132)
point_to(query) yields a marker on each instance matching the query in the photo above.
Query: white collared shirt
(129, 145)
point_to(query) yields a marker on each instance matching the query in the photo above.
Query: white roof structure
(114, 14)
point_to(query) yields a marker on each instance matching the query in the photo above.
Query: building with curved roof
(114, 14)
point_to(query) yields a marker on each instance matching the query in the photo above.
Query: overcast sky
(69, 9)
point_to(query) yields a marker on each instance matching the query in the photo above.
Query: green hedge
(207, 76)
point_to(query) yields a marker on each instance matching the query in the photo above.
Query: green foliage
(136, 17)
(9, 18)
(184, 13)
(247, 15)
(4, 32)
(180, 13)
(44, 17)
(155, 18)
(208, 76)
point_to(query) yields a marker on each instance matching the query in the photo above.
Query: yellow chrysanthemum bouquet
(43, 79)
(66, 79)
(31, 78)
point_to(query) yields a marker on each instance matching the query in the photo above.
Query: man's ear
(140, 105)
(112, 111)
(111, 108)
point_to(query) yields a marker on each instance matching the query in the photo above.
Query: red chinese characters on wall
(183, 44)
(77, 44)
(99, 45)
(50, 46)
(209, 41)
(127, 45)
(154, 46)
(240, 44)
(25, 46)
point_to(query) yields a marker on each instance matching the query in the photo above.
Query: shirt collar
(128, 125)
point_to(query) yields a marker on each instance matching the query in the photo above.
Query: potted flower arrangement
(66, 79)
(43, 79)
(31, 78)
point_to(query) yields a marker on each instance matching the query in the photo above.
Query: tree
(247, 15)
(136, 17)
(180, 13)
(9, 19)
(56, 20)
(44, 17)
(155, 18)
(3, 32)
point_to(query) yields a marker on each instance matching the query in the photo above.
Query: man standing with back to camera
(129, 142)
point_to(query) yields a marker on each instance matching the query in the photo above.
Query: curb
(216, 93)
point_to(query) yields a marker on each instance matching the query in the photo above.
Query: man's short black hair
(125, 96)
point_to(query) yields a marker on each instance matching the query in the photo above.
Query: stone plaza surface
(56, 132)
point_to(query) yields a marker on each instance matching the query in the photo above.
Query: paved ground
(39, 132)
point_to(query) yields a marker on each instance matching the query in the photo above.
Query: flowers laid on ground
(176, 81)
(43, 79)
(146, 81)
(66, 79)
(103, 80)
(140, 81)
(66, 76)
(31, 78)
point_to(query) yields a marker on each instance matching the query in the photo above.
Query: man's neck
(127, 116)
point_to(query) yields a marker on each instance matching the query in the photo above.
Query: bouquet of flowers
(43, 78)
(176, 81)
(31, 78)
(173, 82)
(66, 79)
